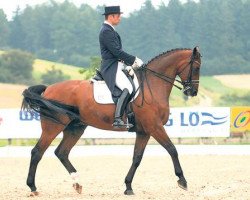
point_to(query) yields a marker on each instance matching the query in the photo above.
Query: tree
(95, 63)
(65, 33)
(4, 29)
(17, 35)
(16, 66)
(53, 76)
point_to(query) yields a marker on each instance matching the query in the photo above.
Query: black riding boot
(120, 108)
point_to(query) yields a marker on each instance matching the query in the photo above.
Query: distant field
(235, 81)
(11, 95)
(42, 66)
(211, 88)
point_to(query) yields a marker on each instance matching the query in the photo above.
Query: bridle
(186, 84)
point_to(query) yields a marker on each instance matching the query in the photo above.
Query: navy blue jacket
(111, 52)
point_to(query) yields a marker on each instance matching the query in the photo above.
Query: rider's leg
(122, 80)
(124, 84)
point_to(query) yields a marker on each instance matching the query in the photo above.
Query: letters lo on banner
(199, 122)
(240, 119)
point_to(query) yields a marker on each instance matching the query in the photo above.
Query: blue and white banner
(18, 124)
(21, 124)
(199, 122)
(183, 122)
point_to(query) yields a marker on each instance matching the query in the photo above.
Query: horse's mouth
(190, 91)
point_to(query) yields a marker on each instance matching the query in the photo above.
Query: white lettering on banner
(199, 122)
(183, 122)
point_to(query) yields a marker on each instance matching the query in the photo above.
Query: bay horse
(69, 107)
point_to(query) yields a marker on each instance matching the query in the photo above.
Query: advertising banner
(183, 122)
(19, 124)
(199, 122)
(240, 119)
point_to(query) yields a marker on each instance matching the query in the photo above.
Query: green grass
(25, 142)
(40, 67)
(211, 84)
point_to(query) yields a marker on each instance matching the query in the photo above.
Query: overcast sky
(127, 6)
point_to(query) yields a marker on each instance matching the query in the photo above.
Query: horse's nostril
(195, 93)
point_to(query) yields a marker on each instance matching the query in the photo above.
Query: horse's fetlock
(31, 184)
(127, 181)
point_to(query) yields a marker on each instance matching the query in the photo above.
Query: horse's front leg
(140, 144)
(161, 136)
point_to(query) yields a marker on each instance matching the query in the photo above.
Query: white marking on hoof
(76, 182)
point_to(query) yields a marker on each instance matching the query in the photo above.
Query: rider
(114, 60)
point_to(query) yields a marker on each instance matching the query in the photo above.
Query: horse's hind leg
(140, 144)
(70, 136)
(161, 137)
(49, 132)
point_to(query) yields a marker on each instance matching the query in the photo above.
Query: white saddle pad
(102, 94)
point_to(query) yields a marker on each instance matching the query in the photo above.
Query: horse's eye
(196, 70)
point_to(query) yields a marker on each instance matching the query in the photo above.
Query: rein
(165, 78)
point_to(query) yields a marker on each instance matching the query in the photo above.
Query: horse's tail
(33, 101)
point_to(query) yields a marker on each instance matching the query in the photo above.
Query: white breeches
(121, 79)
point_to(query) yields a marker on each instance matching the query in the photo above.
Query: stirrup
(118, 123)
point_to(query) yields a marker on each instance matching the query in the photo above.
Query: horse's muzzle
(190, 91)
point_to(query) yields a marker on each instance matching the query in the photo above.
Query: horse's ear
(196, 52)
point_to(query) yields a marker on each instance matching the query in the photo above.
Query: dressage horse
(69, 107)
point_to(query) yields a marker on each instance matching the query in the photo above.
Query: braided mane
(167, 53)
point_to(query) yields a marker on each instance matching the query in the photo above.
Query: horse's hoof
(182, 184)
(129, 192)
(77, 187)
(34, 193)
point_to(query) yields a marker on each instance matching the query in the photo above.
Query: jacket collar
(107, 23)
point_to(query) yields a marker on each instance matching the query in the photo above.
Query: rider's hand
(137, 64)
(130, 70)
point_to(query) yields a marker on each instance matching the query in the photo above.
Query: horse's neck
(161, 89)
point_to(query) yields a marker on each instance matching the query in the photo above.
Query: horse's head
(190, 72)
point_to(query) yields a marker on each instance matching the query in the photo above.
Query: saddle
(102, 94)
(98, 76)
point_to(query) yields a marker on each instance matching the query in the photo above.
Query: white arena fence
(182, 123)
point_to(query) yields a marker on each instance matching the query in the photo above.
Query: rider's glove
(130, 70)
(137, 64)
